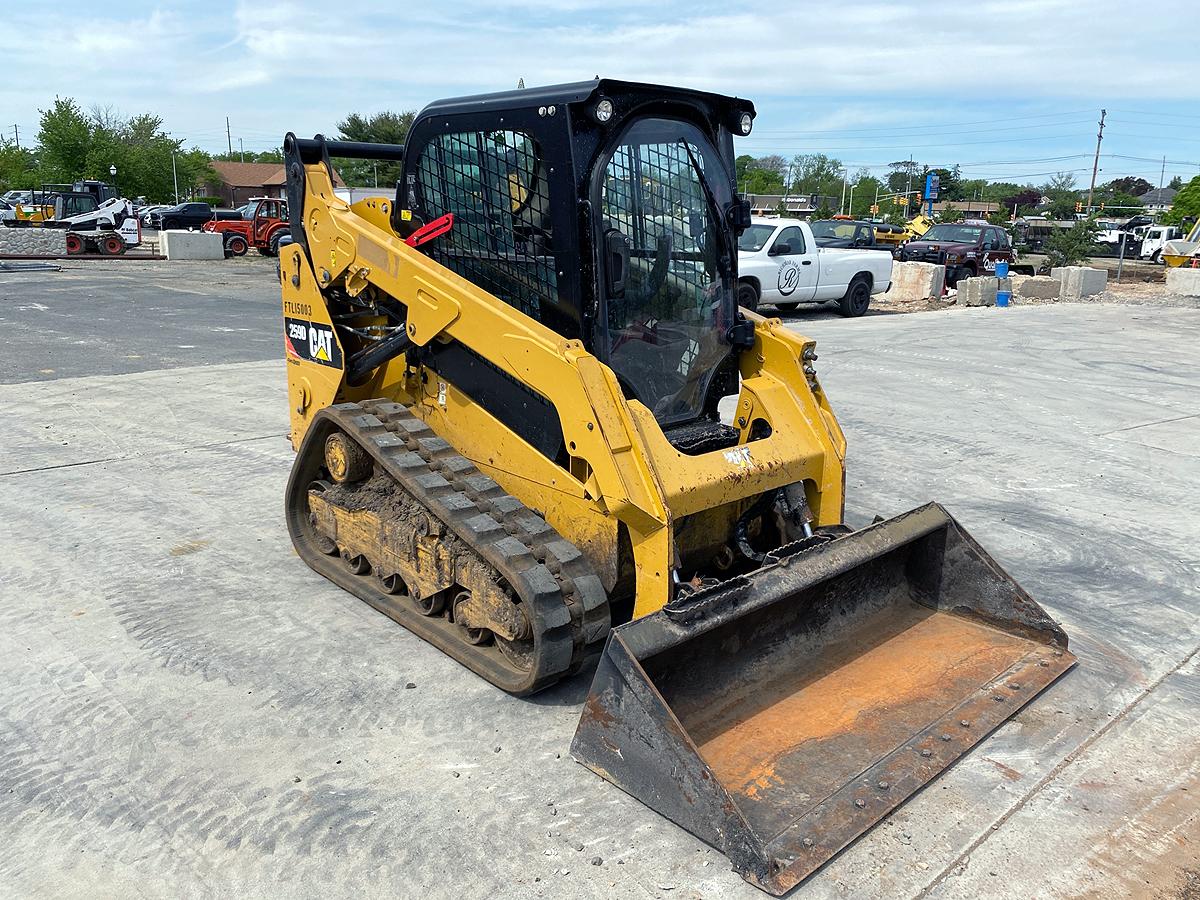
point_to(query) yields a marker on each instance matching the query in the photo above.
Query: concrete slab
(979, 291)
(916, 281)
(1036, 287)
(1185, 282)
(1080, 281)
(192, 245)
(187, 710)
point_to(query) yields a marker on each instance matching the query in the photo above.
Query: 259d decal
(311, 341)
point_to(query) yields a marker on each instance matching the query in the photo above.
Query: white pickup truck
(779, 263)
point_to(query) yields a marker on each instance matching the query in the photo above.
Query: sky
(1011, 90)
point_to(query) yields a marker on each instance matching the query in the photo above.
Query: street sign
(931, 186)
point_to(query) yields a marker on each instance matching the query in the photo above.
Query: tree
(816, 173)
(262, 156)
(1175, 183)
(18, 167)
(1131, 185)
(1024, 200)
(1071, 246)
(1186, 203)
(866, 188)
(824, 211)
(761, 176)
(64, 139)
(951, 214)
(903, 175)
(385, 127)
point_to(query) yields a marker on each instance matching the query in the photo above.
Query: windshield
(665, 326)
(829, 229)
(954, 234)
(755, 238)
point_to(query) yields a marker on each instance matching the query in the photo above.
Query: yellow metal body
(623, 473)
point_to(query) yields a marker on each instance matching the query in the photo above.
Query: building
(793, 206)
(971, 209)
(1158, 200)
(237, 182)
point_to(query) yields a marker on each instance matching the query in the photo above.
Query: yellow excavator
(533, 427)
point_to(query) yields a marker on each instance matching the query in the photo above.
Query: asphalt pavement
(186, 710)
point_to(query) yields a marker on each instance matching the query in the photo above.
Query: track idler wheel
(358, 563)
(346, 461)
(470, 635)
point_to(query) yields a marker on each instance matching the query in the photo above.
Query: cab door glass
(668, 299)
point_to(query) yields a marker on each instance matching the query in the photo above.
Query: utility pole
(17, 135)
(842, 207)
(1096, 163)
(908, 183)
(1161, 175)
(175, 178)
(241, 150)
(228, 136)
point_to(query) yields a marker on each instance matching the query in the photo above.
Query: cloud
(810, 67)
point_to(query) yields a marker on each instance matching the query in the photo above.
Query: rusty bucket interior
(782, 714)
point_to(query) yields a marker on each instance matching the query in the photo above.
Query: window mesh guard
(495, 185)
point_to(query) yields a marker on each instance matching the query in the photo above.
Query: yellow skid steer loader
(534, 428)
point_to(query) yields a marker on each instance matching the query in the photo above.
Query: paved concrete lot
(107, 318)
(186, 710)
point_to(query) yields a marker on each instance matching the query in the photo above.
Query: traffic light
(1101, 206)
(874, 209)
(1078, 206)
(903, 201)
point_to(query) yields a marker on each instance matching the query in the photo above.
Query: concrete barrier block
(1036, 287)
(192, 245)
(979, 291)
(916, 281)
(1080, 281)
(1185, 282)
(33, 241)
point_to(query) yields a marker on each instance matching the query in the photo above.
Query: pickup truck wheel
(747, 296)
(236, 245)
(787, 307)
(857, 299)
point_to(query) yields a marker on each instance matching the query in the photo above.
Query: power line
(891, 129)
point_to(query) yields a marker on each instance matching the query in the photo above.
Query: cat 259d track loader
(534, 428)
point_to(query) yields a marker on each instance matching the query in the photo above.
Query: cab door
(264, 217)
(994, 248)
(794, 265)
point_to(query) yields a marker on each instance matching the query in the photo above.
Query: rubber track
(566, 602)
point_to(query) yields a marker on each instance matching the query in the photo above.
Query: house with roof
(237, 182)
(1158, 200)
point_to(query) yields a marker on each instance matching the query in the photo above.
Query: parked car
(844, 233)
(7, 213)
(266, 227)
(965, 250)
(780, 263)
(182, 215)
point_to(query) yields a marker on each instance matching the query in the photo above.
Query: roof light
(603, 111)
(746, 123)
